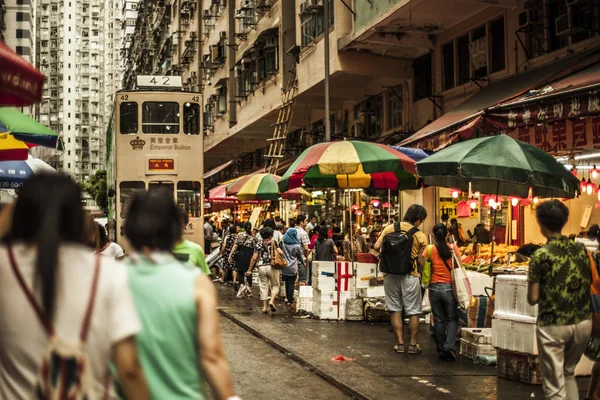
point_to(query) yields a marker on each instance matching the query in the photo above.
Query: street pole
(326, 11)
(327, 120)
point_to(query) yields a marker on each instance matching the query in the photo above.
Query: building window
(478, 53)
(463, 59)
(448, 65)
(23, 51)
(395, 106)
(312, 23)
(23, 2)
(422, 76)
(23, 34)
(497, 46)
(23, 16)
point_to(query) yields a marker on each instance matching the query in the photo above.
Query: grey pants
(561, 348)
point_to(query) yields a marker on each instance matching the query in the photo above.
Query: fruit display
(476, 257)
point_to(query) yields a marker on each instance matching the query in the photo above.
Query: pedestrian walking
(54, 292)
(402, 256)
(325, 249)
(242, 253)
(559, 282)
(108, 248)
(188, 251)
(229, 273)
(302, 234)
(443, 303)
(208, 234)
(268, 278)
(180, 343)
(292, 251)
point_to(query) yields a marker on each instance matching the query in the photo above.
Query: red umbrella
(20, 83)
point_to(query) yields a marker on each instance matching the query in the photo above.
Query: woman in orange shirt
(443, 303)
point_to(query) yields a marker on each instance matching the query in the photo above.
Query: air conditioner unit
(528, 18)
(213, 98)
(222, 35)
(206, 14)
(271, 41)
(303, 8)
(240, 14)
(214, 53)
(247, 4)
(313, 5)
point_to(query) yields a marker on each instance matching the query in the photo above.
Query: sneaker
(414, 349)
(399, 348)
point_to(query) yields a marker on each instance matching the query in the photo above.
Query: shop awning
(454, 123)
(574, 96)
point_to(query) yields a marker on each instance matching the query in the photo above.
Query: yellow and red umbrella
(12, 149)
(353, 164)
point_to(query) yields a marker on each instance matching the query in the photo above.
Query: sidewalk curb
(296, 358)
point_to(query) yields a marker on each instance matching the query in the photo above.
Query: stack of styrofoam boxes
(364, 273)
(328, 302)
(514, 330)
(515, 321)
(476, 342)
(305, 299)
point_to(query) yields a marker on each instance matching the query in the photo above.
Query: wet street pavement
(255, 341)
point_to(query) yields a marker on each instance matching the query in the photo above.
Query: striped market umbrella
(26, 129)
(255, 187)
(296, 194)
(12, 149)
(351, 164)
(14, 173)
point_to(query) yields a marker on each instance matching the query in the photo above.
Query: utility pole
(326, 11)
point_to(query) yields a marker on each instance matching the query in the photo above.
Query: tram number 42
(165, 81)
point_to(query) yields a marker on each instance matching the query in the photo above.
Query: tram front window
(126, 192)
(191, 119)
(162, 185)
(160, 117)
(128, 117)
(188, 198)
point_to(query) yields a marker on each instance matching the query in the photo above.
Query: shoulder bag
(460, 283)
(277, 257)
(426, 274)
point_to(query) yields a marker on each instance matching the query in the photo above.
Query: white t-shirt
(22, 337)
(113, 251)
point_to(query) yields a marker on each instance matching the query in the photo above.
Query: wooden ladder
(282, 126)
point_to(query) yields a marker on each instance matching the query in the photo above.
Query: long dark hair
(48, 212)
(153, 221)
(440, 232)
(102, 236)
(323, 233)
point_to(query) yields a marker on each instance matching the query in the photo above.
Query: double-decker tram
(156, 142)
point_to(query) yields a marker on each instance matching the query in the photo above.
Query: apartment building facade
(17, 27)
(71, 38)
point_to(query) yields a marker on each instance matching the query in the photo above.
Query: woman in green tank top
(179, 345)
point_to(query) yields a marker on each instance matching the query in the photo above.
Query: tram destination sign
(159, 82)
(161, 164)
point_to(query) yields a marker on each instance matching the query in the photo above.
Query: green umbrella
(499, 165)
(26, 129)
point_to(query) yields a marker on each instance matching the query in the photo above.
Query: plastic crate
(477, 335)
(472, 350)
(519, 367)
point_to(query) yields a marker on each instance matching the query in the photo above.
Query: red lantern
(375, 203)
(385, 205)
(455, 193)
(358, 212)
(473, 203)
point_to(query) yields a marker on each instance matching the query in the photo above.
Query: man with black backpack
(401, 246)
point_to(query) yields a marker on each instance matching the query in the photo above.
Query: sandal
(273, 308)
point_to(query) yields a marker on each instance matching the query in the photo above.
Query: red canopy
(20, 83)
